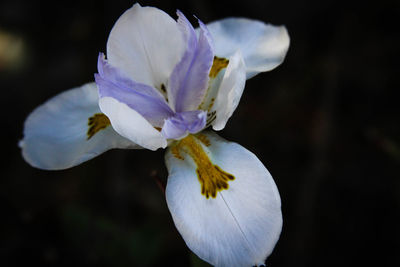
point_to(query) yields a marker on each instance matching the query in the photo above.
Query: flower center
(211, 177)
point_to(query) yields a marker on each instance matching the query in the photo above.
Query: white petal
(55, 133)
(146, 44)
(264, 46)
(130, 124)
(239, 227)
(230, 91)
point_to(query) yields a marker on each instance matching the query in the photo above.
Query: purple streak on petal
(181, 123)
(172, 129)
(116, 76)
(145, 99)
(189, 79)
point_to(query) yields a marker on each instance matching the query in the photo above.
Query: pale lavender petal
(195, 120)
(116, 75)
(172, 129)
(184, 122)
(147, 101)
(189, 79)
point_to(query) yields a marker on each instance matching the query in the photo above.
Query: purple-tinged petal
(144, 99)
(173, 129)
(116, 75)
(189, 79)
(182, 123)
(194, 120)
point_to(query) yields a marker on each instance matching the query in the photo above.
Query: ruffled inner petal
(144, 99)
(183, 123)
(189, 79)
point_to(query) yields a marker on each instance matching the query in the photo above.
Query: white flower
(162, 84)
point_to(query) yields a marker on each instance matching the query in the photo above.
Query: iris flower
(162, 85)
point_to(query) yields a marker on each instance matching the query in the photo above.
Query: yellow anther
(219, 63)
(97, 122)
(204, 139)
(211, 177)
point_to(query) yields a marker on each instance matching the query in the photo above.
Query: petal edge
(136, 37)
(239, 227)
(131, 125)
(264, 46)
(55, 133)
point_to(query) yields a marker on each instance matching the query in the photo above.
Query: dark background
(325, 123)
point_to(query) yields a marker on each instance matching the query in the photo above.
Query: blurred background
(325, 123)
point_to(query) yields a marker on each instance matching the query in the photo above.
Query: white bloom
(162, 84)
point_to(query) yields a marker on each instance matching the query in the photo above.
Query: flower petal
(240, 225)
(189, 79)
(56, 133)
(144, 99)
(130, 124)
(264, 46)
(146, 43)
(183, 123)
(230, 91)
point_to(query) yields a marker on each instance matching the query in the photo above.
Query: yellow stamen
(203, 138)
(219, 63)
(97, 122)
(211, 177)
